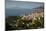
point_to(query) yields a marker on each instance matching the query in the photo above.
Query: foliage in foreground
(15, 22)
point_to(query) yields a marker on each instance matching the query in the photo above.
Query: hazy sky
(18, 8)
(10, 4)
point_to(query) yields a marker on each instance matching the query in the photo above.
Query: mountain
(37, 12)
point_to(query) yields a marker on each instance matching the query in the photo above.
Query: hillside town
(35, 20)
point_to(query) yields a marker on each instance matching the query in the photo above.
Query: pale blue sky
(18, 8)
(22, 5)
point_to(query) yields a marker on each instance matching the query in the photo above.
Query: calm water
(17, 12)
(19, 8)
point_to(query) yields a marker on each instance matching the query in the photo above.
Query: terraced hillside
(31, 21)
(25, 22)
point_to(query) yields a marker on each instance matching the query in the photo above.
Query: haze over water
(18, 8)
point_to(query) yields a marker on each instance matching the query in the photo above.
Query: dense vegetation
(15, 22)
